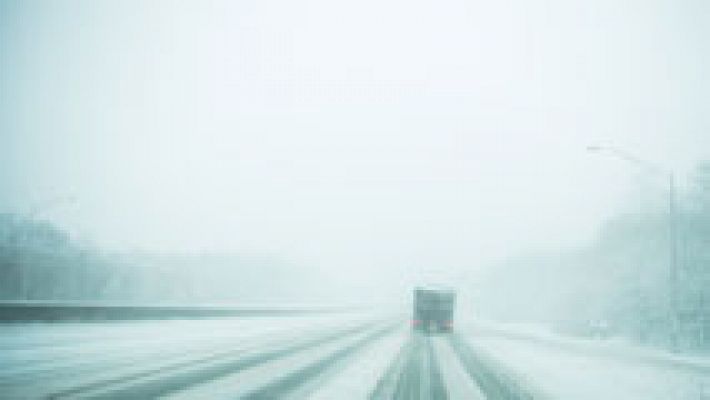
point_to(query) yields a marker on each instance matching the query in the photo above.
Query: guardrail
(24, 311)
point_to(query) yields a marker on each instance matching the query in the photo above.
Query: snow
(41, 358)
(609, 347)
(241, 383)
(458, 383)
(361, 375)
(565, 368)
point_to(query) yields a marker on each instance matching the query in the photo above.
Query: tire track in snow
(492, 379)
(172, 378)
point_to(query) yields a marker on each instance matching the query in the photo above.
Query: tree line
(621, 284)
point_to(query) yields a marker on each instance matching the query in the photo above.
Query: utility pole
(673, 261)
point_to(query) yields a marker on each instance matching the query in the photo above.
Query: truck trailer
(433, 309)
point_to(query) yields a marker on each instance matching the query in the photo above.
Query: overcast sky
(346, 134)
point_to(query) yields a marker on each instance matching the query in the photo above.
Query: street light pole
(672, 230)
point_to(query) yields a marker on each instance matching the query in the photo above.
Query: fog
(367, 144)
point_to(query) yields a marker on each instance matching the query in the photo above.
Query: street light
(672, 231)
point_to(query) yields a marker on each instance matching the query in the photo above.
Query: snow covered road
(589, 369)
(349, 356)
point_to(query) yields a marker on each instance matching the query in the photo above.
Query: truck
(433, 309)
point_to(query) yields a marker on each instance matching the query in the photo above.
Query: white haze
(414, 139)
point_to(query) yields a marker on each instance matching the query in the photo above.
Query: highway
(333, 356)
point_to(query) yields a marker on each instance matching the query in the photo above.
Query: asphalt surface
(351, 357)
